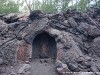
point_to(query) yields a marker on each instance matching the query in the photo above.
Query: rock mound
(77, 37)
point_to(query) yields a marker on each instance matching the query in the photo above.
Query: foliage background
(49, 6)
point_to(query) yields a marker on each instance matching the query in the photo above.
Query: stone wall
(24, 51)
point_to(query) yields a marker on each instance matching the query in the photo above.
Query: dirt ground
(40, 67)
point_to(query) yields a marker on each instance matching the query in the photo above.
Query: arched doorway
(44, 46)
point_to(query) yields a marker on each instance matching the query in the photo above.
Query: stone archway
(44, 46)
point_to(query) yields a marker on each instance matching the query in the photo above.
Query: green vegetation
(8, 6)
(49, 6)
(61, 5)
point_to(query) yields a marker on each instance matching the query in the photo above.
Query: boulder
(60, 70)
(58, 64)
(1, 61)
(93, 31)
(96, 46)
(87, 29)
(24, 68)
(66, 23)
(72, 22)
(10, 18)
(36, 14)
(80, 59)
(61, 67)
(73, 66)
(83, 27)
(94, 68)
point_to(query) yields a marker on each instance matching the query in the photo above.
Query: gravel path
(42, 68)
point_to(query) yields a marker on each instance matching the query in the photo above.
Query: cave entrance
(44, 46)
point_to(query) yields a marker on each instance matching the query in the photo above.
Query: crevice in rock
(44, 46)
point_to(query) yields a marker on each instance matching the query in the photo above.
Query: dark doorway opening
(44, 46)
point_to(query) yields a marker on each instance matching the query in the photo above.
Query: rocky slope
(77, 36)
